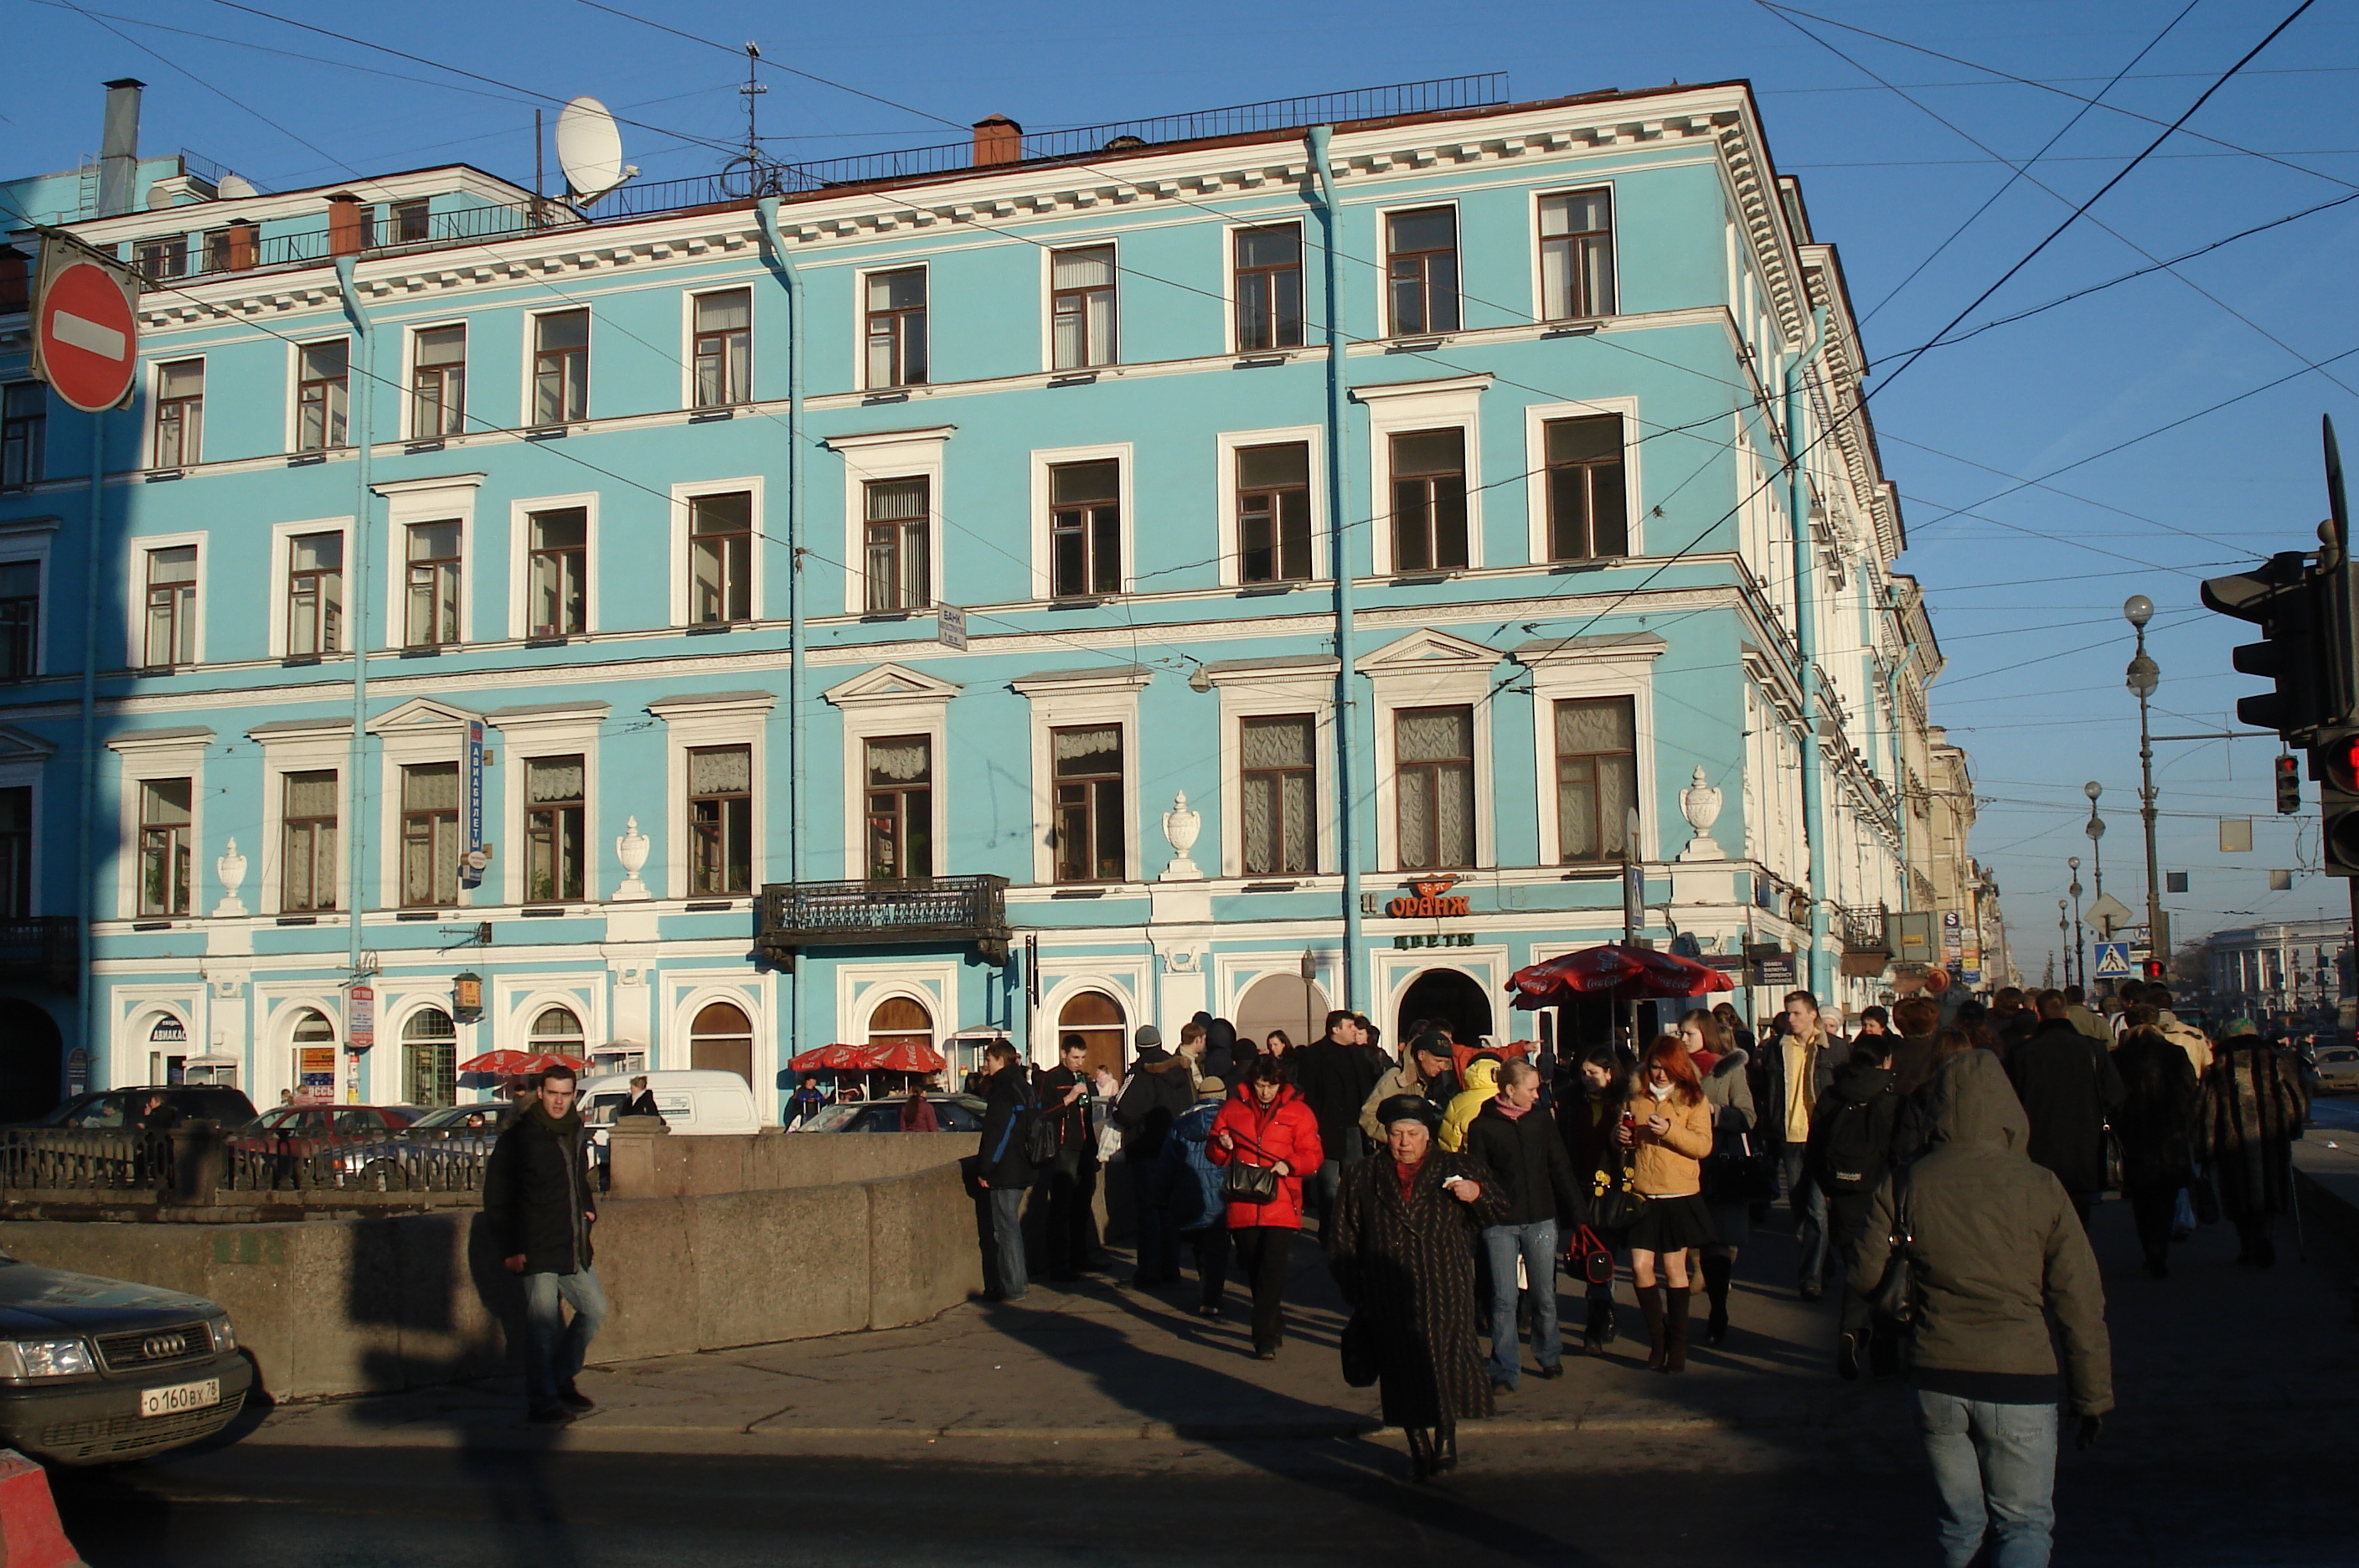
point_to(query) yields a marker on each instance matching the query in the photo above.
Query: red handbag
(1591, 1259)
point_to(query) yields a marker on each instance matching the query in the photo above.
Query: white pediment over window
(422, 715)
(891, 683)
(1426, 649)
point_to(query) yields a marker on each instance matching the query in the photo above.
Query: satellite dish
(590, 150)
(235, 188)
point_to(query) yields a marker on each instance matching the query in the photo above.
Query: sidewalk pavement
(2214, 1347)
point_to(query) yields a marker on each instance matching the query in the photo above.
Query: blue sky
(1894, 147)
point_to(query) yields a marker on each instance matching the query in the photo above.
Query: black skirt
(1672, 1225)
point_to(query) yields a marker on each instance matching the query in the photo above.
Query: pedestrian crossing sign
(2113, 961)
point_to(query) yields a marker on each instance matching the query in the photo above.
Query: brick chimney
(998, 140)
(344, 224)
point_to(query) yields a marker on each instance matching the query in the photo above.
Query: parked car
(2338, 1069)
(692, 1100)
(957, 1113)
(94, 1371)
(101, 1109)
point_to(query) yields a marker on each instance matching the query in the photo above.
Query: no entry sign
(86, 334)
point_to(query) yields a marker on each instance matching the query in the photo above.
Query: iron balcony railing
(41, 950)
(865, 914)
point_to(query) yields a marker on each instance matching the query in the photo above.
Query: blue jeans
(1008, 1239)
(554, 1348)
(1535, 1244)
(1995, 1468)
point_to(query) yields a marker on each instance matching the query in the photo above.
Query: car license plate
(180, 1397)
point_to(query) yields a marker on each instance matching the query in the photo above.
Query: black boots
(1650, 1302)
(1716, 1271)
(1674, 1352)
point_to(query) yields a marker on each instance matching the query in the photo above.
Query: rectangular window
(1421, 263)
(1274, 513)
(23, 430)
(900, 772)
(1596, 778)
(1085, 528)
(432, 617)
(555, 802)
(557, 572)
(315, 593)
(720, 819)
(165, 851)
(1587, 510)
(320, 388)
(1081, 307)
(309, 854)
(1277, 779)
(898, 556)
(724, 348)
(20, 619)
(1269, 287)
(1429, 500)
(1088, 831)
(437, 383)
(429, 835)
(560, 367)
(410, 222)
(172, 608)
(720, 558)
(161, 258)
(897, 328)
(180, 413)
(1576, 256)
(16, 852)
(1433, 762)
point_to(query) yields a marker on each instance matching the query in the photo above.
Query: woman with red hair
(1669, 1129)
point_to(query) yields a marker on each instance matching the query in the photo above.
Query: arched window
(900, 1022)
(721, 1038)
(557, 1030)
(315, 1057)
(1097, 1018)
(429, 1058)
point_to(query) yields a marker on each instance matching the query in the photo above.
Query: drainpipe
(767, 209)
(1806, 635)
(1346, 722)
(94, 1031)
(356, 617)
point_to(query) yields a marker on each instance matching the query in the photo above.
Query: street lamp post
(2143, 676)
(2080, 943)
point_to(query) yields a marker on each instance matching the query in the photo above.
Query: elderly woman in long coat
(1401, 1245)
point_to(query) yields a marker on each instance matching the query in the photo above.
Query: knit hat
(1148, 1035)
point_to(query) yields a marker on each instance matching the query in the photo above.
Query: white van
(701, 1100)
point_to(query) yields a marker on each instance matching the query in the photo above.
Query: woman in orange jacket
(1668, 1127)
(1267, 1123)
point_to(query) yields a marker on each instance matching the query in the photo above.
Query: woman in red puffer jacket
(1267, 1122)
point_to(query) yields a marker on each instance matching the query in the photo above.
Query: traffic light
(2288, 786)
(2284, 599)
(2335, 762)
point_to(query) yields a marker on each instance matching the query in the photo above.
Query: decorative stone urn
(230, 869)
(1700, 804)
(1181, 827)
(631, 848)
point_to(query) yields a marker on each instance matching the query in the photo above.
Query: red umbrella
(519, 1061)
(1630, 973)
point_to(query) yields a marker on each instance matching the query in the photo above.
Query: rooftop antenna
(590, 151)
(747, 174)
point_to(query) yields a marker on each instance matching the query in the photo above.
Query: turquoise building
(1250, 564)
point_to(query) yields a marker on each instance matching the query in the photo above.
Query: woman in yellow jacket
(1482, 1088)
(1668, 1127)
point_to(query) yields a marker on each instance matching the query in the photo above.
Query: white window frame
(1403, 406)
(409, 331)
(1226, 445)
(1255, 691)
(31, 541)
(566, 730)
(892, 700)
(295, 347)
(860, 278)
(1536, 417)
(417, 733)
(890, 455)
(688, 295)
(682, 560)
(152, 755)
(1384, 255)
(1433, 669)
(520, 558)
(1614, 202)
(1048, 251)
(733, 718)
(1591, 668)
(450, 499)
(282, 550)
(1043, 561)
(135, 651)
(325, 746)
(1066, 700)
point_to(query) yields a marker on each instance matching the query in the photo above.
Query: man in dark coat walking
(1003, 1167)
(1334, 1081)
(539, 1206)
(1161, 1089)
(1518, 1143)
(2066, 1084)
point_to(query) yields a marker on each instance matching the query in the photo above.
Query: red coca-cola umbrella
(512, 1062)
(1629, 973)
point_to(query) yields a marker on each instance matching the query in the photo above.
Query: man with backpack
(1005, 1166)
(1850, 1155)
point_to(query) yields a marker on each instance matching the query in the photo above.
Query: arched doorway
(314, 1044)
(30, 1049)
(900, 1020)
(1445, 996)
(1282, 1002)
(721, 1040)
(1097, 1018)
(429, 1058)
(559, 1030)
